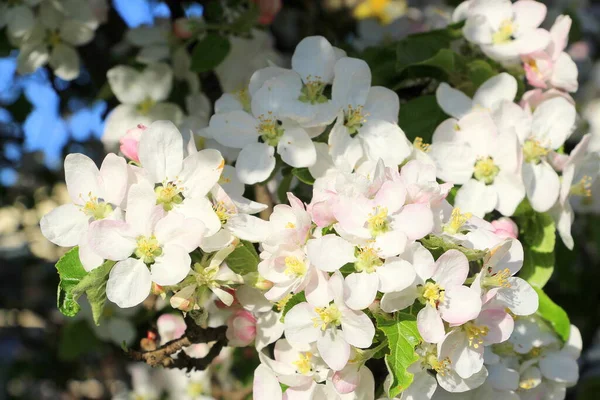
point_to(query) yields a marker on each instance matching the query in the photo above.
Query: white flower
(334, 327)
(143, 96)
(160, 241)
(504, 30)
(96, 195)
(471, 152)
(53, 37)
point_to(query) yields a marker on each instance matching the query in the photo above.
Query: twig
(193, 335)
(262, 195)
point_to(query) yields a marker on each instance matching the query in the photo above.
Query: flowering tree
(377, 223)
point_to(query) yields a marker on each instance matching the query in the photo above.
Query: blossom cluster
(48, 31)
(148, 217)
(355, 251)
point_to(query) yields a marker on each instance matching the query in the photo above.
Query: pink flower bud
(182, 28)
(505, 228)
(241, 328)
(268, 10)
(131, 141)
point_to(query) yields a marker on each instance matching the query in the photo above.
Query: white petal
(111, 240)
(75, 32)
(454, 102)
(395, 301)
(334, 350)
(476, 197)
(351, 82)
(126, 85)
(299, 324)
(201, 208)
(122, 118)
(296, 148)
(65, 225)
(395, 275)
(234, 129)
(129, 283)
(415, 220)
(255, 163)
(461, 304)
(358, 328)
(89, 259)
(360, 290)
(314, 57)
(519, 297)
(455, 384)
(265, 385)
(161, 151)
(201, 171)
(382, 103)
(64, 60)
(510, 190)
(113, 173)
(431, 326)
(454, 161)
(176, 229)
(386, 141)
(172, 266)
(82, 178)
(559, 368)
(248, 227)
(465, 359)
(541, 184)
(158, 79)
(494, 91)
(554, 121)
(32, 57)
(330, 252)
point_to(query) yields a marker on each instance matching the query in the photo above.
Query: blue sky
(44, 128)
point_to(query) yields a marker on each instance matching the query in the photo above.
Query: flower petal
(129, 283)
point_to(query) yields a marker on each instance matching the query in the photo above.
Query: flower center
(419, 145)
(294, 267)
(303, 364)
(206, 276)
(96, 208)
(169, 195)
(147, 249)
(505, 33)
(431, 293)
(583, 187)
(485, 170)
(533, 151)
(367, 260)
(354, 118)
(527, 384)
(327, 316)
(269, 129)
(145, 106)
(378, 221)
(457, 220)
(312, 91)
(440, 366)
(54, 38)
(475, 334)
(222, 211)
(499, 279)
(195, 389)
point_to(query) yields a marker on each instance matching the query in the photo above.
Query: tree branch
(194, 334)
(263, 196)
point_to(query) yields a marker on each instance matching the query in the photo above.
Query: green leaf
(70, 272)
(438, 246)
(420, 117)
(284, 186)
(76, 339)
(554, 314)
(442, 66)
(420, 47)
(243, 259)
(403, 336)
(538, 235)
(209, 52)
(303, 175)
(295, 299)
(94, 286)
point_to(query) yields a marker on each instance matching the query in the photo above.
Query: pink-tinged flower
(241, 328)
(131, 141)
(170, 327)
(464, 345)
(505, 228)
(553, 67)
(496, 283)
(268, 10)
(334, 328)
(182, 28)
(289, 225)
(533, 98)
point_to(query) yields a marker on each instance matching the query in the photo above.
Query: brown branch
(194, 334)
(262, 194)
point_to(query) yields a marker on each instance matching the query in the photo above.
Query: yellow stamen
(303, 364)
(327, 316)
(485, 170)
(312, 91)
(281, 303)
(354, 118)
(504, 34)
(440, 366)
(457, 220)
(294, 267)
(147, 249)
(169, 194)
(145, 106)
(533, 151)
(499, 279)
(419, 145)
(378, 221)
(431, 293)
(475, 334)
(583, 187)
(269, 129)
(222, 211)
(367, 260)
